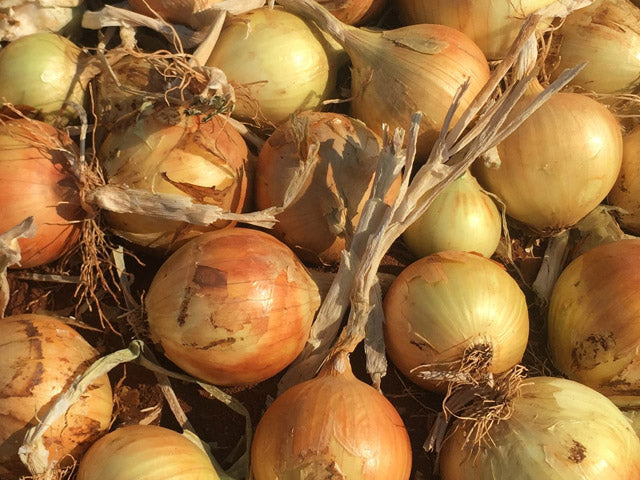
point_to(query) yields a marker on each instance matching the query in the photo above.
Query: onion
(626, 191)
(333, 426)
(593, 330)
(462, 217)
(41, 71)
(41, 356)
(319, 224)
(24, 17)
(354, 12)
(146, 452)
(232, 307)
(167, 151)
(396, 73)
(36, 181)
(559, 164)
(447, 306)
(557, 429)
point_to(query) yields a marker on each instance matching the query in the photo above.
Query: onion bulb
(41, 356)
(594, 336)
(461, 217)
(333, 426)
(318, 225)
(450, 304)
(232, 307)
(36, 181)
(24, 17)
(558, 429)
(148, 452)
(559, 164)
(626, 191)
(354, 12)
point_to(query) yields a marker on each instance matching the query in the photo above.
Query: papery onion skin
(448, 302)
(354, 12)
(333, 426)
(41, 356)
(232, 307)
(593, 318)
(24, 17)
(559, 430)
(625, 194)
(36, 181)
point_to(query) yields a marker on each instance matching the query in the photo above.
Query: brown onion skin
(354, 12)
(333, 423)
(232, 307)
(36, 181)
(41, 357)
(626, 192)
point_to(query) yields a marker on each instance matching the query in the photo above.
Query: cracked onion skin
(232, 307)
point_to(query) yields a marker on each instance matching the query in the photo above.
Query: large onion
(232, 307)
(626, 191)
(333, 426)
(41, 356)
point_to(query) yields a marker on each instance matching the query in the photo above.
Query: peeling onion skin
(232, 307)
(626, 192)
(41, 356)
(333, 426)
(559, 430)
(447, 302)
(145, 452)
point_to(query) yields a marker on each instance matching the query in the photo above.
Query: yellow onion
(279, 64)
(354, 12)
(559, 164)
(333, 426)
(36, 181)
(396, 73)
(448, 305)
(317, 226)
(167, 151)
(626, 191)
(593, 329)
(558, 429)
(41, 71)
(461, 217)
(148, 452)
(232, 307)
(41, 356)
(24, 17)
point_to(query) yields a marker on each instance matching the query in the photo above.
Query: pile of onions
(462, 217)
(333, 426)
(318, 225)
(232, 307)
(165, 150)
(41, 356)
(354, 12)
(594, 336)
(36, 181)
(557, 429)
(626, 191)
(559, 164)
(145, 451)
(447, 305)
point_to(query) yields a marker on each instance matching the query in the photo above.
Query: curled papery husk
(165, 150)
(41, 356)
(594, 335)
(36, 181)
(354, 12)
(626, 191)
(145, 452)
(449, 307)
(318, 225)
(24, 17)
(232, 307)
(559, 164)
(558, 429)
(333, 426)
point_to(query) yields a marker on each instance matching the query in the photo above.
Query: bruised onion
(625, 194)
(232, 307)
(333, 426)
(41, 356)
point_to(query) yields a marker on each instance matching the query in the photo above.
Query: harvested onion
(354, 12)
(626, 191)
(24, 17)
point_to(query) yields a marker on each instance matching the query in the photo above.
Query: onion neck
(311, 10)
(337, 364)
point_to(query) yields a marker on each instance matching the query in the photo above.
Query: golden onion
(626, 191)
(354, 12)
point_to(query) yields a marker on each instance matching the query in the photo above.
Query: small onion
(558, 429)
(232, 307)
(450, 303)
(354, 12)
(333, 426)
(462, 217)
(41, 356)
(626, 191)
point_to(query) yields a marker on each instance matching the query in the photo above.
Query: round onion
(558, 429)
(36, 182)
(445, 306)
(354, 12)
(626, 191)
(232, 307)
(146, 452)
(41, 356)
(333, 426)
